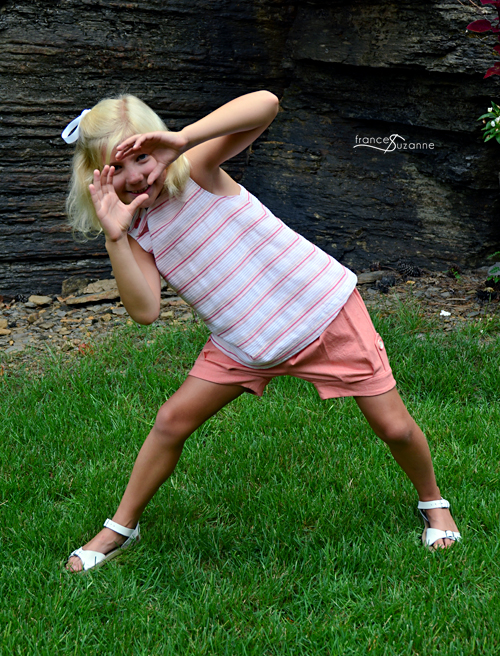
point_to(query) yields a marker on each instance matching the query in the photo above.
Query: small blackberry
(487, 294)
(390, 281)
(385, 283)
(22, 298)
(491, 283)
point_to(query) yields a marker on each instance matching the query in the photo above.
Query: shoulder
(214, 180)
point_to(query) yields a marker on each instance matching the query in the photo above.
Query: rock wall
(348, 73)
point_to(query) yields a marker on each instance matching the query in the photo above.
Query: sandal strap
(118, 528)
(89, 559)
(428, 505)
(434, 534)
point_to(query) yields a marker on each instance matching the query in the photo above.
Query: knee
(172, 426)
(397, 432)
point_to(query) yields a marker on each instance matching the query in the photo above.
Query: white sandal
(91, 559)
(431, 535)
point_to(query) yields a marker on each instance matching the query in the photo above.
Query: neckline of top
(143, 211)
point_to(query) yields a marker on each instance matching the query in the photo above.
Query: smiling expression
(131, 178)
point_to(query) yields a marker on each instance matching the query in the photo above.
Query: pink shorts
(348, 359)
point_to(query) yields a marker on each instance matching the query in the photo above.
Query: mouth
(144, 190)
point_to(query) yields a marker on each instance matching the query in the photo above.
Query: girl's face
(131, 178)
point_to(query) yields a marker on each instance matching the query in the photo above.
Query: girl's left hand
(164, 147)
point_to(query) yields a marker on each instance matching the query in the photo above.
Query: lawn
(286, 529)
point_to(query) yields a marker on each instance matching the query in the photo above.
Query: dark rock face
(350, 74)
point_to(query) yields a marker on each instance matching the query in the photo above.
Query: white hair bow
(71, 132)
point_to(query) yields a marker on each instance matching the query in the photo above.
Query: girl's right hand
(114, 216)
(164, 147)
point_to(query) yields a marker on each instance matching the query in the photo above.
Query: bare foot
(441, 519)
(104, 542)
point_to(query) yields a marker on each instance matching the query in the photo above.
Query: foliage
(491, 119)
(494, 271)
(491, 122)
(483, 25)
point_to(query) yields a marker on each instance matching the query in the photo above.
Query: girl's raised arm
(230, 129)
(210, 141)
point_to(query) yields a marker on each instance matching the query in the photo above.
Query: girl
(275, 304)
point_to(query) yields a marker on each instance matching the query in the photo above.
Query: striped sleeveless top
(263, 290)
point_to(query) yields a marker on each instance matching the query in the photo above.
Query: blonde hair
(108, 123)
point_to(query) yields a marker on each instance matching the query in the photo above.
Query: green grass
(286, 528)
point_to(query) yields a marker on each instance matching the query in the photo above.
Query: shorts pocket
(382, 355)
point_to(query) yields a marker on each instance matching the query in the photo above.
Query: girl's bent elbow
(146, 318)
(272, 99)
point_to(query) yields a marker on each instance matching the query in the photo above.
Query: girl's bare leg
(193, 403)
(391, 421)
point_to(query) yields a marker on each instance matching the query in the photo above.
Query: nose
(134, 175)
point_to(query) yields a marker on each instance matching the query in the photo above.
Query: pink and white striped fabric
(264, 291)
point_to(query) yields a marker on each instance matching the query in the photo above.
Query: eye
(142, 157)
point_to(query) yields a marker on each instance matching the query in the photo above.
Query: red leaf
(85, 349)
(482, 25)
(497, 48)
(496, 3)
(494, 70)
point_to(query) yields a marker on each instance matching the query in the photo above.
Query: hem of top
(316, 334)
